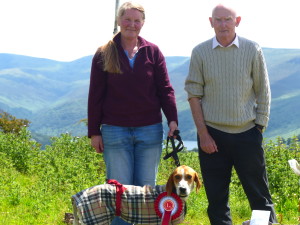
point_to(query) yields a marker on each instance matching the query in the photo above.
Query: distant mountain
(53, 94)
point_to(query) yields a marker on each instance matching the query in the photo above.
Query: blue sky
(66, 30)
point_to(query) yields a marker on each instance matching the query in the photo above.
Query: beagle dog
(99, 204)
(182, 181)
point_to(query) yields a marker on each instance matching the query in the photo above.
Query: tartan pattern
(97, 205)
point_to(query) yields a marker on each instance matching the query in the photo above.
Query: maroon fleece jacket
(135, 97)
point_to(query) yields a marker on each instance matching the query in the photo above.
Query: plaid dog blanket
(97, 205)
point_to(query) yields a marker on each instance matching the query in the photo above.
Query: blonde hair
(130, 5)
(110, 56)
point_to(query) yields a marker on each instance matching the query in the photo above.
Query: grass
(36, 185)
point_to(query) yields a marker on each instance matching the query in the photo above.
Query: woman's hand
(172, 127)
(97, 143)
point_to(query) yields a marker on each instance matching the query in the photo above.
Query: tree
(10, 124)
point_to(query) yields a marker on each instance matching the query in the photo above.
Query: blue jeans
(132, 154)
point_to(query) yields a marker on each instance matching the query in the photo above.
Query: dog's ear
(170, 184)
(198, 182)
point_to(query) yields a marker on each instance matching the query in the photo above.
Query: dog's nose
(182, 190)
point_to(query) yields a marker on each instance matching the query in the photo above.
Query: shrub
(36, 185)
(10, 124)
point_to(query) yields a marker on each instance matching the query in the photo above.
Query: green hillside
(53, 94)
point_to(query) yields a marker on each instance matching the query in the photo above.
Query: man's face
(224, 22)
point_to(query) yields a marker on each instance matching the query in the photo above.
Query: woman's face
(131, 23)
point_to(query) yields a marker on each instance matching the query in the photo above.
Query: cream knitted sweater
(232, 83)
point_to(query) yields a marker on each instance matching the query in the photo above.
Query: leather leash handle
(175, 148)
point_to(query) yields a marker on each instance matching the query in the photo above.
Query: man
(229, 95)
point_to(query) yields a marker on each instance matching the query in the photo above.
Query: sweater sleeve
(165, 90)
(96, 95)
(261, 89)
(194, 82)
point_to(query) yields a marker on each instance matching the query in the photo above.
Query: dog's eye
(188, 177)
(177, 177)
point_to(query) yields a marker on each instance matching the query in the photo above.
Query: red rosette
(164, 203)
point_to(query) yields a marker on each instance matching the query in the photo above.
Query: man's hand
(207, 143)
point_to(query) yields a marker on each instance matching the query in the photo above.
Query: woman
(129, 87)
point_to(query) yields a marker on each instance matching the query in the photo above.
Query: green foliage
(19, 148)
(36, 185)
(70, 164)
(10, 124)
(284, 185)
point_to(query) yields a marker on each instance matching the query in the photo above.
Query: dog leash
(176, 148)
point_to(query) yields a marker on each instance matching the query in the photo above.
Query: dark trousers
(243, 151)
